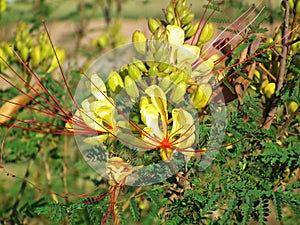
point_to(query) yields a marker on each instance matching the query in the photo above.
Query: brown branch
(271, 110)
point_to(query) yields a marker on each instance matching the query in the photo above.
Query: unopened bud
(24, 52)
(130, 87)
(170, 14)
(201, 96)
(2, 5)
(115, 82)
(36, 56)
(188, 18)
(139, 42)
(153, 71)
(192, 30)
(134, 72)
(60, 58)
(206, 34)
(153, 24)
(139, 64)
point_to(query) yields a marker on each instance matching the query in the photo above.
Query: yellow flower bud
(2, 5)
(46, 51)
(130, 87)
(24, 52)
(188, 18)
(115, 82)
(170, 15)
(134, 72)
(139, 42)
(177, 76)
(36, 56)
(139, 64)
(201, 96)
(153, 71)
(257, 76)
(61, 57)
(153, 24)
(206, 34)
(269, 90)
(192, 30)
(293, 106)
(3, 66)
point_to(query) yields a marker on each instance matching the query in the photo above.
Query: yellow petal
(96, 140)
(158, 99)
(92, 121)
(188, 53)
(183, 125)
(204, 68)
(149, 116)
(166, 154)
(98, 87)
(201, 96)
(104, 110)
(175, 35)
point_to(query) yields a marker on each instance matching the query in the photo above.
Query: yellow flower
(97, 113)
(187, 54)
(156, 135)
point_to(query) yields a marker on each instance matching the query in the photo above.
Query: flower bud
(201, 96)
(130, 87)
(269, 90)
(24, 52)
(293, 106)
(192, 30)
(139, 64)
(36, 56)
(139, 42)
(115, 82)
(170, 14)
(206, 34)
(153, 24)
(153, 71)
(42, 38)
(46, 51)
(177, 76)
(134, 72)
(188, 18)
(2, 5)
(3, 66)
(8, 49)
(60, 57)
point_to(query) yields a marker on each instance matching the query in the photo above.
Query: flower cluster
(153, 103)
